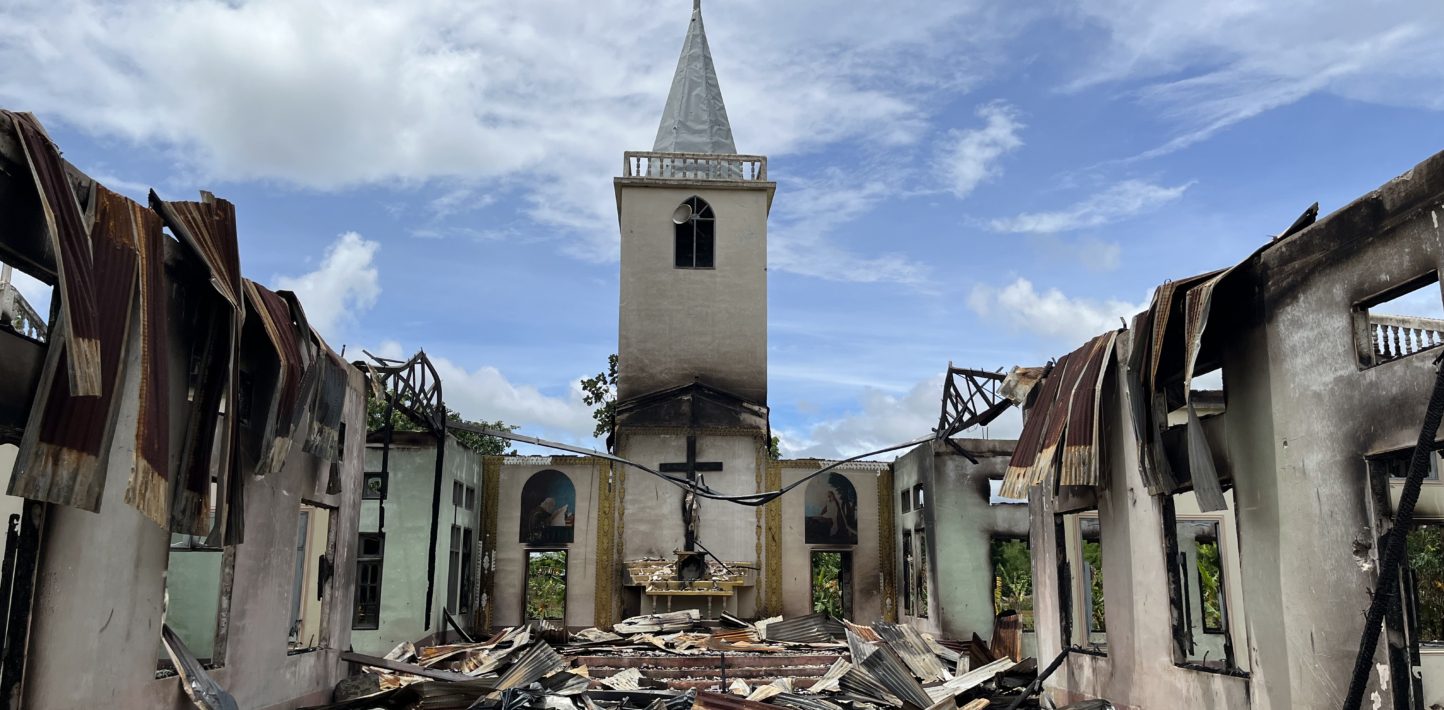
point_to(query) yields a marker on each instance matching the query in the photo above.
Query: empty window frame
(907, 572)
(919, 497)
(310, 588)
(695, 232)
(195, 570)
(1013, 578)
(924, 580)
(370, 553)
(546, 585)
(458, 582)
(1425, 583)
(1080, 545)
(1203, 576)
(906, 496)
(1399, 322)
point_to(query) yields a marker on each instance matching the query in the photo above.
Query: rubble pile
(672, 661)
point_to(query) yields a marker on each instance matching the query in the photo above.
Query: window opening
(1081, 545)
(1013, 578)
(194, 570)
(695, 234)
(832, 583)
(907, 501)
(546, 585)
(370, 552)
(1203, 563)
(309, 597)
(907, 572)
(918, 497)
(995, 488)
(1400, 322)
(1425, 549)
(923, 578)
(458, 583)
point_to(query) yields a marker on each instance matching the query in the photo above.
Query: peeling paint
(1363, 556)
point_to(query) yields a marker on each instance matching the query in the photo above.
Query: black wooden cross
(691, 467)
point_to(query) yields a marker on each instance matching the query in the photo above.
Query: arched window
(548, 509)
(831, 509)
(695, 232)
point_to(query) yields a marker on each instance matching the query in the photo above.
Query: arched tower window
(696, 234)
(548, 509)
(831, 509)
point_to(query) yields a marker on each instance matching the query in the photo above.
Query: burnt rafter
(970, 398)
(411, 386)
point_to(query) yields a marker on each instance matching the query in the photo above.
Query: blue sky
(964, 181)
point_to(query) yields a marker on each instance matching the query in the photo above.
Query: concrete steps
(705, 671)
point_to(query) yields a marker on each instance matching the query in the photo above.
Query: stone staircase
(705, 672)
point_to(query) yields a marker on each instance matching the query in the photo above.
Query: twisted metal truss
(970, 398)
(411, 386)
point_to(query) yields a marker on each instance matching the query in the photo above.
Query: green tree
(546, 585)
(1013, 579)
(774, 448)
(481, 444)
(600, 393)
(826, 583)
(1093, 557)
(1210, 573)
(1425, 553)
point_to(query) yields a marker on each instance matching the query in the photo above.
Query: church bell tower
(693, 216)
(691, 355)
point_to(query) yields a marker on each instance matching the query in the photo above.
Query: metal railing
(1393, 337)
(694, 166)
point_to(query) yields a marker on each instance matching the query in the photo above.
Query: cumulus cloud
(1119, 202)
(1207, 67)
(347, 281)
(970, 156)
(882, 419)
(1050, 313)
(329, 94)
(815, 208)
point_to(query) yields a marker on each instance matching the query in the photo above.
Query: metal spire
(695, 119)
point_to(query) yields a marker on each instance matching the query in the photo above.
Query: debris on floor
(675, 661)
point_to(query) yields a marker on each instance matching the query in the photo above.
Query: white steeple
(695, 119)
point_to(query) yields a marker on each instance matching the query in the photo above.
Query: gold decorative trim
(886, 551)
(772, 583)
(605, 603)
(490, 507)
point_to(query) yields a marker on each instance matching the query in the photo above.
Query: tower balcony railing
(694, 166)
(1393, 337)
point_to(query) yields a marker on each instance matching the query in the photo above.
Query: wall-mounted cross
(691, 467)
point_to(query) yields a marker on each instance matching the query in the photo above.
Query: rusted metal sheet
(274, 315)
(66, 443)
(70, 241)
(1081, 446)
(208, 227)
(724, 701)
(149, 486)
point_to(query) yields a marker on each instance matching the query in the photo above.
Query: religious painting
(548, 509)
(831, 508)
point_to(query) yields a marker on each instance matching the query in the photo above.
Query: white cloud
(347, 281)
(1211, 65)
(971, 156)
(883, 419)
(815, 208)
(330, 94)
(1069, 321)
(1118, 202)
